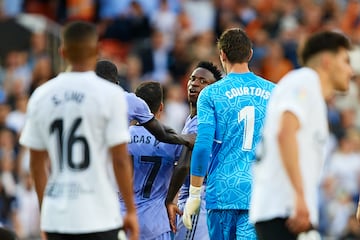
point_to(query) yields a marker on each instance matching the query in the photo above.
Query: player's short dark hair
(323, 41)
(107, 70)
(236, 45)
(212, 68)
(77, 31)
(75, 37)
(152, 93)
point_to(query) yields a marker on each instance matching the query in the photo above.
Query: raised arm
(168, 135)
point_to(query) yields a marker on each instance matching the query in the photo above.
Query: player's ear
(222, 56)
(62, 51)
(251, 54)
(161, 107)
(326, 60)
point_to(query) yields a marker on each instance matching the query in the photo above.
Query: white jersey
(76, 117)
(300, 93)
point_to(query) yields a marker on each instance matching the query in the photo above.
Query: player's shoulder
(43, 89)
(133, 99)
(304, 77)
(104, 88)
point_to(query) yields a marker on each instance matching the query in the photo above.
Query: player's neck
(193, 110)
(238, 68)
(83, 67)
(326, 88)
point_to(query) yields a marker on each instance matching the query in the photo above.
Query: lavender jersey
(138, 109)
(200, 229)
(153, 166)
(189, 128)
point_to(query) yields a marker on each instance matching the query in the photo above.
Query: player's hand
(192, 206)
(300, 220)
(172, 210)
(43, 235)
(131, 225)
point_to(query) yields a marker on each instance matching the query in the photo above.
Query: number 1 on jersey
(247, 114)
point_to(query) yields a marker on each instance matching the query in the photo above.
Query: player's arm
(289, 152)
(178, 177)
(166, 134)
(123, 174)
(40, 171)
(358, 213)
(198, 168)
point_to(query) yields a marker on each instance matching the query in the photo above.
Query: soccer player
(286, 177)
(204, 74)
(79, 121)
(153, 164)
(138, 110)
(230, 119)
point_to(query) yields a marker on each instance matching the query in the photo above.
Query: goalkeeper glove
(192, 206)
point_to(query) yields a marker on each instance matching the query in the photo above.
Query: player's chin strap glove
(192, 206)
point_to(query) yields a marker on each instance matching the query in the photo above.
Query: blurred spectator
(28, 209)
(164, 20)
(260, 48)
(343, 175)
(203, 47)
(201, 21)
(41, 7)
(11, 8)
(130, 75)
(15, 120)
(16, 70)
(175, 102)
(37, 48)
(179, 59)
(352, 231)
(154, 58)
(8, 200)
(70, 10)
(275, 65)
(42, 72)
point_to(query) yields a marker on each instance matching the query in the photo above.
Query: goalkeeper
(230, 119)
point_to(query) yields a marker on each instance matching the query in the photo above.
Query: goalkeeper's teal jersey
(231, 114)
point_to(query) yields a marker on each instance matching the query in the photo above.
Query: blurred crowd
(161, 40)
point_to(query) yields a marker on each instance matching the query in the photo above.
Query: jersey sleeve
(138, 109)
(117, 129)
(31, 134)
(297, 102)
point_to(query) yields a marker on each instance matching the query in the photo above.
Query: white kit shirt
(300, 93)
(77, 117)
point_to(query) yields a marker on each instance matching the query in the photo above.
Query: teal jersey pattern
(231, 115)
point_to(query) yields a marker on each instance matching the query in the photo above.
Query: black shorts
(107, 235)
(274, 229)
(7, 234)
